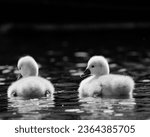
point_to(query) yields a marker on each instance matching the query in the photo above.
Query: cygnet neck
(99, 72)
(29, 70)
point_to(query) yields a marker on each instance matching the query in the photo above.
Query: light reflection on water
(30, 109)
(104, 108)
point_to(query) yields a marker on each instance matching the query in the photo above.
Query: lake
(62, 57)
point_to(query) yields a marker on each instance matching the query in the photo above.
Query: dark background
(74, 11)
(48, 24)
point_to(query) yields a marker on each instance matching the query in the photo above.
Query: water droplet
(81, 54)
(113, 65)
(81, 65)
(2, 83)
(16, 71)
(72, 71)
(145, 80)
(77, 74)
(48, 78)
(74, 110)
(2, 67)
(127, 103)
(108, 111)
(118, 114)
(6, 71)
(2, 79)
(122, 70)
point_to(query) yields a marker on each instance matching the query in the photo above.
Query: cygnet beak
(86, 73)
(19, 76)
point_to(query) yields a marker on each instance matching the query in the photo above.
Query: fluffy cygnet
(30, 85)
(100, 82)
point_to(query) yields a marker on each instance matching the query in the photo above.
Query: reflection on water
(29, 109)
(64, 67)
(104, 108)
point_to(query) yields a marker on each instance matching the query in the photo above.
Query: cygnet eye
(14, 94)
(92, 66)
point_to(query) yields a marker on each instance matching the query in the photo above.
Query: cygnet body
(100, 82)
(30, 85)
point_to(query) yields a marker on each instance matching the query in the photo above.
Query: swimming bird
(102, 83)
(30, 85)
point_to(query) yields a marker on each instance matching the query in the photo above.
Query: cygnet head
(28, 66)
(97, 65)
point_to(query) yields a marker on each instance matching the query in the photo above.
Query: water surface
(62, 61)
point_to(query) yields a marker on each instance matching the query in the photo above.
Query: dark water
(62, 58)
